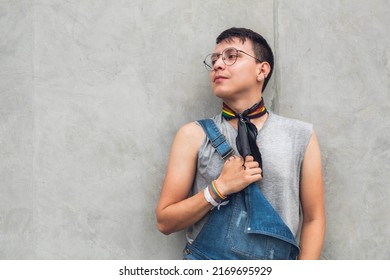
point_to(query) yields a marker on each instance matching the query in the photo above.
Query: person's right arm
(175, 210)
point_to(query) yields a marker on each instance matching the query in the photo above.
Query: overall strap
(217, 139)
(262, 217)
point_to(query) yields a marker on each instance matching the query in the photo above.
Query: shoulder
(191, 130)
(293, 128)
(194, 129)
(193, 135)
(290, 123)
(296, 132)
(190, 135)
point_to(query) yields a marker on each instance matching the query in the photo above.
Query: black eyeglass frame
(211, 67)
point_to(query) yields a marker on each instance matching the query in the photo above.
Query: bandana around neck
(247, 131)
(256, 111)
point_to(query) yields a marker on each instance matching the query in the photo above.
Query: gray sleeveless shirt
(282, 143)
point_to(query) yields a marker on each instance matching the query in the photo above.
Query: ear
(263, 70)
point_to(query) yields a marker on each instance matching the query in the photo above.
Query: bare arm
(312, 200)
(175, 210)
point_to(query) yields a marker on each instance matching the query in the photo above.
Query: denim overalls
(246, 228)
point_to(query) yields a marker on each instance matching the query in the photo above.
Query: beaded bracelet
(215, 190)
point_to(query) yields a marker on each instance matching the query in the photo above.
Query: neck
(240, 105)
(255, 113)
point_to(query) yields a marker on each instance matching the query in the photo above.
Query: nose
(219, 64)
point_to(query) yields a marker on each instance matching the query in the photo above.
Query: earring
(259, 78)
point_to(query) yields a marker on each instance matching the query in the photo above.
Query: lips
(219, 78)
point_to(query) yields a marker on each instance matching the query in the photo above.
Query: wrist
(209, 198)
(221, 187)
(217, 192)
(213, 195)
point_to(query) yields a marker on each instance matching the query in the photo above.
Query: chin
(224, 94)
(221, 93)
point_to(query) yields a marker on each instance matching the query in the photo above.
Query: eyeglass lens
(229, 57)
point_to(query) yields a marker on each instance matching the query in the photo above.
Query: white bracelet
(209, 198)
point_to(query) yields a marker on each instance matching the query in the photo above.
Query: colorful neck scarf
(256, 111)
(247, 131)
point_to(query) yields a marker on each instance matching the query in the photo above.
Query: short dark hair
(260, 46)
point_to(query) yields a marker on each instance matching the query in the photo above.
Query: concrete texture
(92, 93)
(334, 71)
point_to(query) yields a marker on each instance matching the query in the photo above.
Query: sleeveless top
(282, 143)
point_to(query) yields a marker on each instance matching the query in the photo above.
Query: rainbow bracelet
(215, 190)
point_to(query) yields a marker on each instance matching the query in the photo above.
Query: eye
(214, 58)
(230, 55)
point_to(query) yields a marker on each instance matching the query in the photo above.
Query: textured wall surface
(93, 91)
(334, 66)
(16, 131)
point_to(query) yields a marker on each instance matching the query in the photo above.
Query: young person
(257, 199)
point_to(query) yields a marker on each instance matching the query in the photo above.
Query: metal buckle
(216, 142)
(228, 154)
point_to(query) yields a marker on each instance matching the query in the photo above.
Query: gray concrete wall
(92, 93)
(334, 70)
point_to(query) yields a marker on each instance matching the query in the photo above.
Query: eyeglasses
(229, 57)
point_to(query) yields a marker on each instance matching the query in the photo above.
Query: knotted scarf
(247, 131)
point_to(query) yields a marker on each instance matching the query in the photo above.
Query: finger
(254, 171)
(249, 158)
(252, 164)
(255, 177)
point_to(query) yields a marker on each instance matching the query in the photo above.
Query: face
(229, 82)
